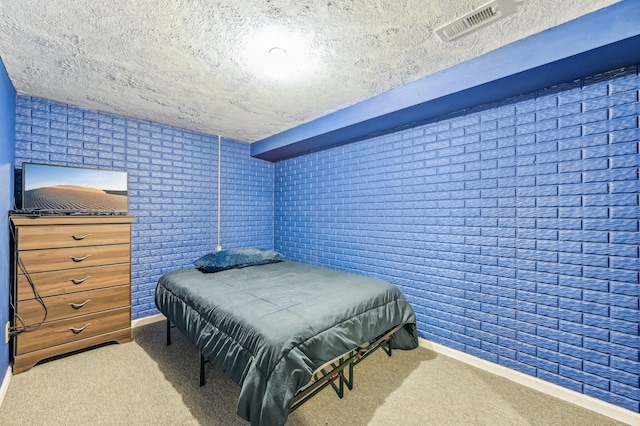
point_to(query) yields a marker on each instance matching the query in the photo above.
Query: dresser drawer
(68, 330)
(75, 257)
(73, 280)
(74, 304)
(43, 237)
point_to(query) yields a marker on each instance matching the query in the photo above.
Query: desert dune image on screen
(74, 189)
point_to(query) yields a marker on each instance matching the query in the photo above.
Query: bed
(272, 326)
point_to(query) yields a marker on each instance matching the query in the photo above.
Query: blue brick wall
(172, 184)
(512, 228)
(247, 194)
(7, 155)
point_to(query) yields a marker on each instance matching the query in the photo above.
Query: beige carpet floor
(148, 383)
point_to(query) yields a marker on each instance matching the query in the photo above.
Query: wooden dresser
(71, 284)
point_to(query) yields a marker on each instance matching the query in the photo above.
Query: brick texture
(512, 228)
(172, 184)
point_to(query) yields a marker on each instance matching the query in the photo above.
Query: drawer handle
(79, 259)
(79, 330)
(80, 237)
(81, 280)
(79, 305)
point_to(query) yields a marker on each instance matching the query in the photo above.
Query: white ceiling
(185, 63)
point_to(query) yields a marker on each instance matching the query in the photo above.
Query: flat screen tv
(55, 189)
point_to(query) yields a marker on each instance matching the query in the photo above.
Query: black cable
(24, 327)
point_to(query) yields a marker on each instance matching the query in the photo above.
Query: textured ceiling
(190, 63)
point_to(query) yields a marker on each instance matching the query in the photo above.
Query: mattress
(269, 327)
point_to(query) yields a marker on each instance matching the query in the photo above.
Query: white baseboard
(147, 320)
(584, 401)
(5, 383)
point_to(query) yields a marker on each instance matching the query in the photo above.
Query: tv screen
(64, 189)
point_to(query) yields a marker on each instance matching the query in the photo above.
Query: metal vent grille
(470, 22)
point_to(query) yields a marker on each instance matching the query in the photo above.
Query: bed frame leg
(386, 346)
(339, 388)
(203, 380)
(349, 381)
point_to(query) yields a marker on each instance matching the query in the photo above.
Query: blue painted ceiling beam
(595, 43)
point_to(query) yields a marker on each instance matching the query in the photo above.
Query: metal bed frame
(328, 374)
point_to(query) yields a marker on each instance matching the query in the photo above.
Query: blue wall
(512, 228)
(7, 149)
(172, 184)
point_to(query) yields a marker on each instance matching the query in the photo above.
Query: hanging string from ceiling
(219, 245)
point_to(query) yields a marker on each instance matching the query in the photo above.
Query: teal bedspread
(268, 327)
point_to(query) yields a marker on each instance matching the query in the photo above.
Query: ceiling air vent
(490, 12)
